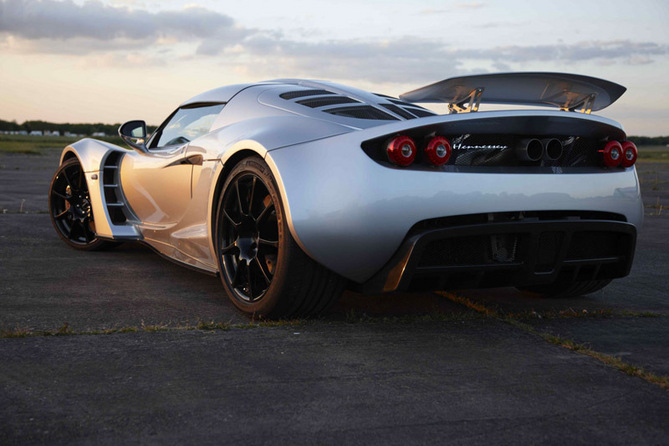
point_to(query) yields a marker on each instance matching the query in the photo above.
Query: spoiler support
(474, 98)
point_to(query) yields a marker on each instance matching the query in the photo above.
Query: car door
(157, 183)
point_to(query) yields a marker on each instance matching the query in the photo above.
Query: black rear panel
(496, 144)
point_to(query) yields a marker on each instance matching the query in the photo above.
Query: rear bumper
(531, 251)
(351, 214)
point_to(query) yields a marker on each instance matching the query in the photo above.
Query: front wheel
(567, 289)
(263, 270)
(70, 208)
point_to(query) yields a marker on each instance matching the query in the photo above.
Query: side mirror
(133, 133)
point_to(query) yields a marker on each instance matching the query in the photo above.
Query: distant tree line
(79, 129)
(649, 141)
(111, 129)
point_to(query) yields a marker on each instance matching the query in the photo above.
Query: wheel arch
(68, 154)
(90, 152)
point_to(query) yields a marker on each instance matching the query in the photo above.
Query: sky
(117, 60)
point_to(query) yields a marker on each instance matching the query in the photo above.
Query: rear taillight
(612, 153)
(401, 150)
(629, 154)
(438, 150)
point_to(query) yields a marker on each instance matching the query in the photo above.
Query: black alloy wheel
(264, 272)
(70, 208)
(249, 242)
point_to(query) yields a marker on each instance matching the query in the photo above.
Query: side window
(186, 124)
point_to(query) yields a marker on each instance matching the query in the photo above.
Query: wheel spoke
(262, 270)
(235, 279)
(74, 227)
(59, 195)
(239, 198)
(272, 243)
(253, 188)
(62, 214)
(248, 280)
(228, 248)
(234, 223)
(86, 234)
(264, 212)
(69, 183)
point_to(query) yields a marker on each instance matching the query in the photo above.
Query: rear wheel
(70, 208)
(263, 270)
(567, 289)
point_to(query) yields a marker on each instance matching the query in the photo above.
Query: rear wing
(566, 91)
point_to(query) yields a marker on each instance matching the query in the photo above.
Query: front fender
(92, 154)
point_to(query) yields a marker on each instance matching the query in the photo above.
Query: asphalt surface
(396, 369)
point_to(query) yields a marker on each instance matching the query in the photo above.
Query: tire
(263, 270)
(567, 289)
(70, 208)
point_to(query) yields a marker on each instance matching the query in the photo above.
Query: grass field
(39, 145)
(653, 154)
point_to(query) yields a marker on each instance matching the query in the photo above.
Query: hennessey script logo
(485, 146)
(458, 145)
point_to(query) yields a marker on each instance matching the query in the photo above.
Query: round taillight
(438, 150)
(612, 153)
(629, 154)
(401, 150)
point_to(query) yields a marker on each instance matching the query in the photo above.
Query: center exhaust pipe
(553, 148)
(530, 150)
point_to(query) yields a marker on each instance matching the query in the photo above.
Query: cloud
(455, 6)
(64, 20)
(470, 5)
(64, 27)
(581, 51)
(415, 58)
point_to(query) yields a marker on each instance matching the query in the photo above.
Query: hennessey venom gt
(293, 190)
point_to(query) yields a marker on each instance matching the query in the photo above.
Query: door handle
(195, 160)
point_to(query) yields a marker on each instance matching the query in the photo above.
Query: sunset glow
(115, 60)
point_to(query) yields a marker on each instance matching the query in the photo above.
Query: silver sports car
(293, 190)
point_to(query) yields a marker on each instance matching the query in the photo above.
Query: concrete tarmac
(395, 369)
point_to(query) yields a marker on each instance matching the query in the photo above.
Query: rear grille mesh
(484, 249)
(530, 252)
(585, 243)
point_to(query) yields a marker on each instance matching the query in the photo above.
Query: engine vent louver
(399, 101)
(361, 112)
(328, 100)
(420, 112)
(303, 93)
(398, 111)
(405, 104)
